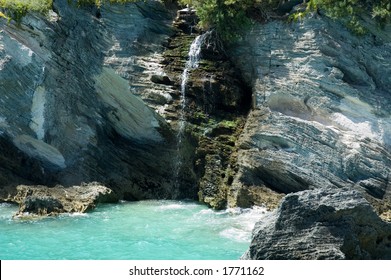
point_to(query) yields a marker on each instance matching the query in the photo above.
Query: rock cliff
(91, 94)
(73, 87)
(321, 111)
(319, 132)
(98, 98)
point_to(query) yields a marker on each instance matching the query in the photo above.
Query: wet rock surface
(216, 103)
(326, 223)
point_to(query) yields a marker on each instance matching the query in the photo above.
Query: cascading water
(192, 63)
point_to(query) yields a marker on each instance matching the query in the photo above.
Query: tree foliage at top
(350, 11)
(17, 9)
(228, 17)
(225, 16)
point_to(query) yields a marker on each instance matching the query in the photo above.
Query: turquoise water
(159, 230)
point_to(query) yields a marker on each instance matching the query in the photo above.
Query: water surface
(159, 230)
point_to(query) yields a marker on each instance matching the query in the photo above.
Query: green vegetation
(229, 124)
(17, 9)
(229, 17)
(349, 11)
(225, 16)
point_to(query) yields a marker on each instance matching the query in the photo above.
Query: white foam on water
(7, 210)
(207, 212)
(78, 214)
(236, 234)
(172, 206)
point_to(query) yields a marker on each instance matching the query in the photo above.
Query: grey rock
(77, 103)
(326, 223)
(321, 117)
(161, 79)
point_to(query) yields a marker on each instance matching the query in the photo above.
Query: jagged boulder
(44, 201)
(326, 223)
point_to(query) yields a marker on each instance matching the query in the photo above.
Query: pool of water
(144, 230)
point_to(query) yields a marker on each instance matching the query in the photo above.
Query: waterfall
(192, 63)
(194, 56)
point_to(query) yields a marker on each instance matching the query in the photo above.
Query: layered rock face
(69, 107)
(327, 223)
(321, 113)
(98, 96)
(319, 132)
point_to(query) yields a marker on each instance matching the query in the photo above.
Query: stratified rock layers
(322, 104)
(72, 87)
(327, 223)
(319, 132)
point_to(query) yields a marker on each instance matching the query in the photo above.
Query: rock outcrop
(74, 90)
(321, 117)
(326, 223)
(44, 201)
